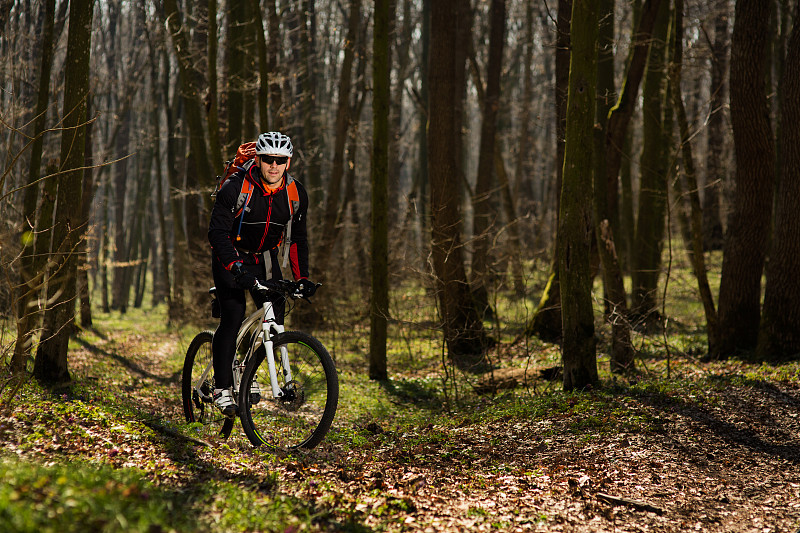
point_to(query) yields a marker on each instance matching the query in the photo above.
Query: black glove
(305, 288)
(244, 279)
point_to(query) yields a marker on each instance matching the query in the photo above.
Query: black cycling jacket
(262, 229)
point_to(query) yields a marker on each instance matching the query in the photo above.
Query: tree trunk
(715, 169)
(199, 174)
(463, 330)
(617, 309)
(522, 167)
(653, 168)
(401, 35)
(30, 282)
(334, 209)
(50, 366)
(749, 223)
(379, 249)
(779, 334)
(274, 67)
(620, 115)
(695, 249)
(422, 137)
(311, 138)
(121, 264)
(575, 220)
(87, 197)
(235, 76)
(215, 145)
(484, 205)
(193, 108)
(546, 321)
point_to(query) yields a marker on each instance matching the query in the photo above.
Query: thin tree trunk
(190, 94)
(462, 327)
(50, 366)
(546, 321)
(235, 61)
(483, 204)
(274, 66)
(617, 315)
(522, 169)
(422, 136)
(333, 214)
(121, 260)
(578, 349)
(715, 169)
(379, 249)
(509, 205)
(30, 283)
(87, 197)
(312, 145)
(696, 248)
(653, 169)
(215, 145)
(620, 115)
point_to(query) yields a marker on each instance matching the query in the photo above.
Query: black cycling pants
(233, 305)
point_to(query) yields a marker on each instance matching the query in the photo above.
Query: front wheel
(302, 416)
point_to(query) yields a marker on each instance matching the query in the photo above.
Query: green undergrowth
(84, 496)
(113, 452)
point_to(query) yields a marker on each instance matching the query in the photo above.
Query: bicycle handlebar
(284, 288)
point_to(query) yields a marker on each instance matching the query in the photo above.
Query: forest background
(485, 152)
(114, 133)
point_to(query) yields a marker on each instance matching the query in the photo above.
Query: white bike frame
(269, 327)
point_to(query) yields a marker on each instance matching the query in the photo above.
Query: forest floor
(716, 447)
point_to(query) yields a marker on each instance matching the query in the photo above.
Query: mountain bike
(285, 382)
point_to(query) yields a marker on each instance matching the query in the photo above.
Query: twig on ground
(636, 504)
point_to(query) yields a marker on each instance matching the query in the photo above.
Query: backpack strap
(241, 203)
(294, 204)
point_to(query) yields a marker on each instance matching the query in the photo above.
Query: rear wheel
(302, 416)
(196, 389)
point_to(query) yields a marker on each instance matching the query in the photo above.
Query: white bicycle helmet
(274, 143)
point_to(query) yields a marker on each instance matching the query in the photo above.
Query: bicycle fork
(267, 328)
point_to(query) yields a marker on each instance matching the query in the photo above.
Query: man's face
(273, 167)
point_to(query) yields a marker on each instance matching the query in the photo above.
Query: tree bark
(546, 321)
(575, 220)
(212, 100)
(653, 168)
(334, 209)
(50, 366)
(620, 115)
(749, 223)
(30, 283)
(484, 204)
(463, 330)
(617, 309)
(379, 243)
(695, 248)
(235, 77)
(87, 197)
(274, 67)
(779, 334)
(715, 169)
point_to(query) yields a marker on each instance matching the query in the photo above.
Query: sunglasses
(277, 159)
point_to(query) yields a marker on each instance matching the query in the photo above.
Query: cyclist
(245, 247)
